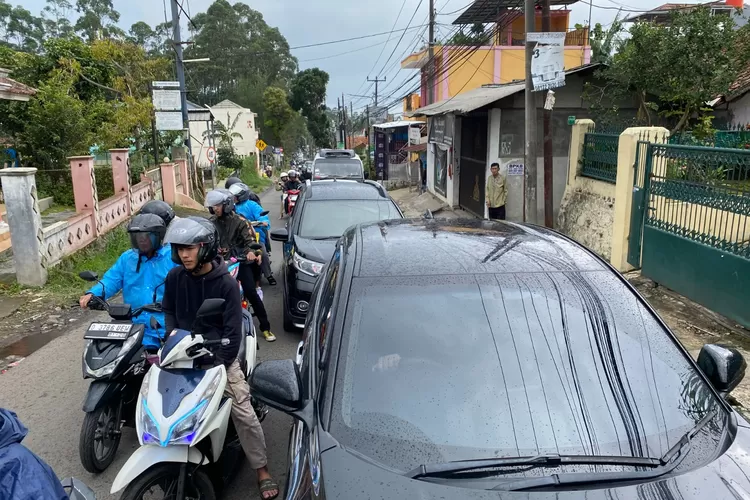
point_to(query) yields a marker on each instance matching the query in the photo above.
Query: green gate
(696, 231)
(638, 210)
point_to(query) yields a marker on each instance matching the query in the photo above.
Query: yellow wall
(518, 26)
(476, 71)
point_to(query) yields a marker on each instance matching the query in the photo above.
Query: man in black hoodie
(204, 275)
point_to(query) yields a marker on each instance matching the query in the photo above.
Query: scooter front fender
(149, 455)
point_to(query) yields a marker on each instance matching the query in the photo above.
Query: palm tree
(225, 135)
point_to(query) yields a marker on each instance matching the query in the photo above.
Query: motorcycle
(115, 359)
(188, 443)
(291, 200)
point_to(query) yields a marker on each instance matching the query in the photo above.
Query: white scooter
(189, 448)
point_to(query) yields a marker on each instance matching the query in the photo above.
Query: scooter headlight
(184, 429)
(109, 367)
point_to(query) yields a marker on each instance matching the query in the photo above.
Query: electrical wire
(402, 36)
(455, 11)
(344, 53)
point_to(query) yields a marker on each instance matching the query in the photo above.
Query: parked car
(471, 359)
(338, 164)
(323, 212)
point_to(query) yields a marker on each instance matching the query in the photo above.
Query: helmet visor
(143, 242)
(214, 198)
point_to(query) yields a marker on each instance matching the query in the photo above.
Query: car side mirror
(724, 366)
(278, 384)
(89, 276)
(210, 307)
(280, 234)
(367, 175)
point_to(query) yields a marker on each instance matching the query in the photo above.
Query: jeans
(246, 275)
(497, 213)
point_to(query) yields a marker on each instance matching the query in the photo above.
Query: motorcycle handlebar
(208, 343)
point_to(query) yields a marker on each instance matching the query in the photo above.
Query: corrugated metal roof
(468, 101)
(400, 123)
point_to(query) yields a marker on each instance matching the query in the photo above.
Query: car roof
(344, 189)
(432, 247)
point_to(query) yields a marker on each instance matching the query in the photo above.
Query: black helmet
(222, 197)
(149, 224)
(241, 191)
(160, 208)
(230, 181)
(194, 231)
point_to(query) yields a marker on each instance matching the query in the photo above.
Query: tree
(605, 42)
(98, 19)
(142, 35)
(278, 113)
(673, 70)
(55, 16)
(308, 94)
(225, 134)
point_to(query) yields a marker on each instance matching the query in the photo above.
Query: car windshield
(323, 219)
(507, 365)
(338, 167)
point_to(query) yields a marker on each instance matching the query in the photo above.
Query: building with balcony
(460, 66)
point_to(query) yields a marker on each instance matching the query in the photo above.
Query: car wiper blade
(546, 460)
(666, 464)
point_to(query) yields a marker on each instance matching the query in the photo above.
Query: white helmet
(284, 174)
(292, 173)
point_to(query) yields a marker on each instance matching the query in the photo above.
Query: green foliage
(605, 42)
(475, 36)
(672, 70)
(250, 176)
(307, 95)
(227, 158)
(278, 113)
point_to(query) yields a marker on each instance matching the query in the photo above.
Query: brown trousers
(245, 421)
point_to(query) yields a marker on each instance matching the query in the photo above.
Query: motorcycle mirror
(155, 289)
(155, 307)
(210, 307)
(88, 276)
(256, 246)
(264, 213)
(154, 323)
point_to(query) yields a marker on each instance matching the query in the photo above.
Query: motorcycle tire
(97, 452)
(199, 486)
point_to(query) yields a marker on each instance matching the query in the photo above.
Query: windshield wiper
(546, 460)
(321, 238)
(667, 463)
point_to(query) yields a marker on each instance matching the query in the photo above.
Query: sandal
(271, 280)
(268, 485)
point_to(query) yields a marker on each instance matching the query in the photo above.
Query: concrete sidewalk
(414, 205)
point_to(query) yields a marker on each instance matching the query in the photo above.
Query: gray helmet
(193, 231)
(150, 224)
(230, 181)
(160, 208)
(241, 191)
(222, 197)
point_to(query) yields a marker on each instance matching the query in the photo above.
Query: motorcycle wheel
(163, 477)
(100, 437)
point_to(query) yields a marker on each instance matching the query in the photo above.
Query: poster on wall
(547, 61)
(441, 129)
(381, 155)
(441, 170)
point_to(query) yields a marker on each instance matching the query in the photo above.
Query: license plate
(294, 197)
(108, 331)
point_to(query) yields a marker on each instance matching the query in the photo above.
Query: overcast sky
(305, 22)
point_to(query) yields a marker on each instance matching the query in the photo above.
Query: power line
(344, 53)
(455, 11)
(352, 39)
(402, 36)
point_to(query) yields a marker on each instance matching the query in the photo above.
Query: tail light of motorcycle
(244, 304)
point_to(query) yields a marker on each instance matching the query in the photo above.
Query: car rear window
(436, 369)
(326, 168)
(324, 219)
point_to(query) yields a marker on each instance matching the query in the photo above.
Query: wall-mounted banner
(547, 63)
(514, 167)
(441, 129)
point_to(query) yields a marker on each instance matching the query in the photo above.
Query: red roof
(14, 87)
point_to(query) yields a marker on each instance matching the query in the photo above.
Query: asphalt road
(46, 390)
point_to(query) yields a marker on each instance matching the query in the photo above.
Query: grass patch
(250, 176)
(56, 209)
(63, 283)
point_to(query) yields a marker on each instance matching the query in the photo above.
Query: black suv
(324, 210)
(476, 360)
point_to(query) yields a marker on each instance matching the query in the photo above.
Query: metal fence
(702, 194)
(600, 156)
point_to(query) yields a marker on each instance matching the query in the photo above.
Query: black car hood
(346, 476)
(317, 250)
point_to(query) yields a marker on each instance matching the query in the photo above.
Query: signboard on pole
(169, 120)
(160, 84)
(261, 144)
(547, 62)
(211, 154)
(167, 100)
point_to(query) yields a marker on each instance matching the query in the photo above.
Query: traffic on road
(400, 358)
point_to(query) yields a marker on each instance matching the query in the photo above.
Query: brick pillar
(168, 182)
(182, 164)
(577, 133)
(25, 222)
(121, 173)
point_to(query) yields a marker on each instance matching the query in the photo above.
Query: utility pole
(547, 27)
(351, 128)
(376, 80)
(529, 205)
(369, 162)
(431, 54)
(177, 42)
(343, 106)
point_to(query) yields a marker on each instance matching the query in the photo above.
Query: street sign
(211, 154)
(547, 62)
(160, 84)
(169, 120)
(261, 144)
(167, 100)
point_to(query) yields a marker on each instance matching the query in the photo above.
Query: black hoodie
(183, 295)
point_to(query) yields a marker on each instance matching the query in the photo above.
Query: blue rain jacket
(138, 286)
(23, 475)
(251, 211)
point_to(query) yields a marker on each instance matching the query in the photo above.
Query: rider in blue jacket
(140, 273)
(251, 211)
